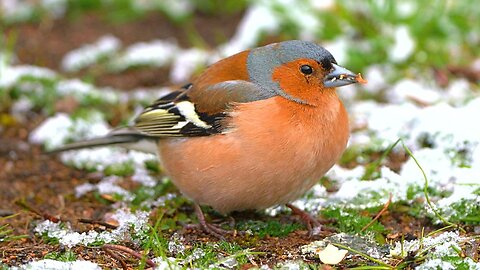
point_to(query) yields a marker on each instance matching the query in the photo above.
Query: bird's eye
(306, 69)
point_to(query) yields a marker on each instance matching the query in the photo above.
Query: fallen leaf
(332, 255)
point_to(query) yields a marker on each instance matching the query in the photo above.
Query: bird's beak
(341, 76)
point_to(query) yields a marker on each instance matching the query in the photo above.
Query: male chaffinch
(254, 130)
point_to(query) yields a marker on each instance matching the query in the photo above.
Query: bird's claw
(314, 226)
(212, 229)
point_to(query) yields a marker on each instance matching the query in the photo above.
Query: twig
(425, 190)
(37, 212)
(129, 251)
(379, 262)
(385, 207)
(116, 257)
(474, 251)
(6, 213)
(371, 168)
(97, 222)
(442, 229)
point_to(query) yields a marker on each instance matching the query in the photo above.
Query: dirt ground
(43, 182)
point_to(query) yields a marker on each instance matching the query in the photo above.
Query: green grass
(353, 220)
(155, 243)
(464, 211)
(203, 255)
(6, 231)
(65, 256)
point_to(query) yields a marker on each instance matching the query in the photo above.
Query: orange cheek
(295, 84)
(290, 82)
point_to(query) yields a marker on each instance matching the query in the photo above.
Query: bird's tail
(124, 137)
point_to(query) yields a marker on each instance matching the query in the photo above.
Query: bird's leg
(313, 225)
(207, 227)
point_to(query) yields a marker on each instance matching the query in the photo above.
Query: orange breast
(277, 150)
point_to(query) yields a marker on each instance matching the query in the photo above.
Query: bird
(253, 130)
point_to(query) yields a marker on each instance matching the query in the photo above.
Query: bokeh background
(74, 69)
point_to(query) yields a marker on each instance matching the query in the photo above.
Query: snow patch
(129, 225)
(12, 74)
(48, 264)
(156, 53)
(90, 54)
(404, 44)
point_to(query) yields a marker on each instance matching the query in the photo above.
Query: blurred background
(163, 42)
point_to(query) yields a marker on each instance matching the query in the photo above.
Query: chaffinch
(254, 130)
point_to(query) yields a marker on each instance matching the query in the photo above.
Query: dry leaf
(332, 255)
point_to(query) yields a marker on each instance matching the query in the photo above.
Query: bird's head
(301, 71)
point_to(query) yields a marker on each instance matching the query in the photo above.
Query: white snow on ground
(408, 89)
(15, 8)
(436, 264)
(168, 264)
(438, 246)
(442, 123)
(52, 132)
(186, 63)
(81, 91)
(12, 74)
(100, 158)
(404, 44)
(58, 265)
(61, 127)
(130, 225)
(435, 248)
(143, 177)
(155, 53)
(258, 19)
(74, 87)
(376, 78)
(108, 185)
(90, 54)
(174, 8)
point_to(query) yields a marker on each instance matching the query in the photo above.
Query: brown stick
(97, 222)
(129, 251)
(116, 257)
(385, 207)
(47, 216)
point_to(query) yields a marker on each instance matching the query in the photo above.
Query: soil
(44, 183)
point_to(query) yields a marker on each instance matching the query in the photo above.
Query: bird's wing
(196, 111)
(218, 97)
(187, 112)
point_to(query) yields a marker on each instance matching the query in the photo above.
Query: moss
(270, 227)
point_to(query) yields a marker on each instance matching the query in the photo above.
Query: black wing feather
(165, 118)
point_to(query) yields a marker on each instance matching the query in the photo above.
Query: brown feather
(231, 68)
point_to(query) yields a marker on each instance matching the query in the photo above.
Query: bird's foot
(212, 229)
(314, 225)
